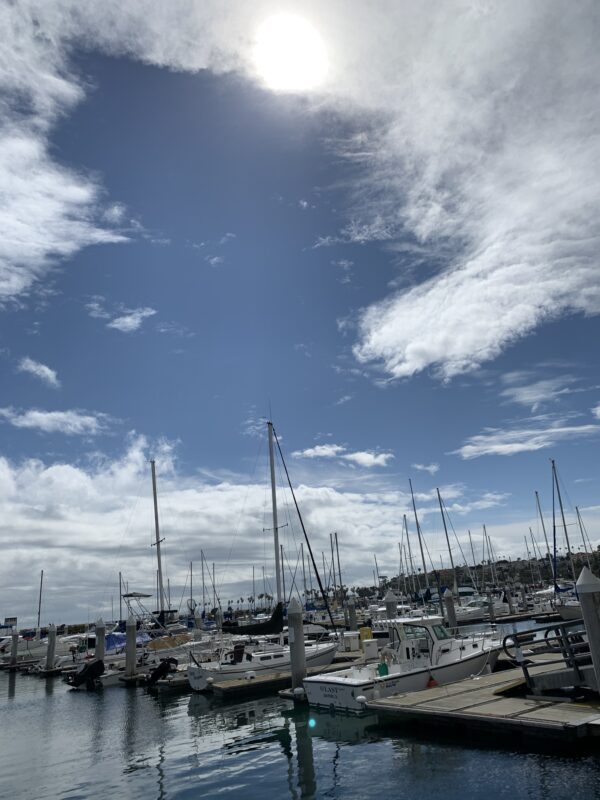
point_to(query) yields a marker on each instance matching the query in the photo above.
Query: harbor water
(57, 743)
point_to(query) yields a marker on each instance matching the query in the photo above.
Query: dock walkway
(493, 704)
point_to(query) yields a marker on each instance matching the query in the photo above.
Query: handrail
(564, 642)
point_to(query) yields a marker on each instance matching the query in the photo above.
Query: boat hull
(201, 677)
(334, 692)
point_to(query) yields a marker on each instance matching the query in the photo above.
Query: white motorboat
(243, 664)
(421, 653)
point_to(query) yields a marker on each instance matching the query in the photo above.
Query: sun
(289, 54)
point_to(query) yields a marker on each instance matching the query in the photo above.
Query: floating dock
(494, 705)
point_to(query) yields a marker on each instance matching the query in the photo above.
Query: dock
(496, 706)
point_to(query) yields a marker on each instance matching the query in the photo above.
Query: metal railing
(564, 643)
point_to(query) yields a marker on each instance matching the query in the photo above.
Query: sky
(376, 224)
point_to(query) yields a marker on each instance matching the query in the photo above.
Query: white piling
(130, 642)
(38, 634)
(509, 600)
(51, 649)
(491, 610)
(219, 619)
(296, 642)
(391, 605)
(450, 610)
(14, 647)
(352, 616)
(100, 647)
(588, 590)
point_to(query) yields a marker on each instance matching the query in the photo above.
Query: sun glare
(290, 54)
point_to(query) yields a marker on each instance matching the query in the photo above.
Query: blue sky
(398, 263)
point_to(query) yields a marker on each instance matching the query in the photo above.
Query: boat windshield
(441, 632)
(416, 632)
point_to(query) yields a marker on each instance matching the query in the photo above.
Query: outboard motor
(88, 674)
(163, 669)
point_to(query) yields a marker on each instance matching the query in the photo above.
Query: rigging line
(458, 542)
(183, 592)
(318, 577)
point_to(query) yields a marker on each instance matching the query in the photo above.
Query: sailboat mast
(203, 584)
(274, 504)
(474, 562)
(410, 558)
(412, 494)
(455, 587)
(161, 591)
(562, 514)
(539, 508)
(582, 531)
(303, 571)
(337, 550)
(40, 598)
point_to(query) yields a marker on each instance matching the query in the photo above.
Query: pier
(495, 705)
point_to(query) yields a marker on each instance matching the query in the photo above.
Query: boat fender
(361, 699)
(250, 675)
(432, 682)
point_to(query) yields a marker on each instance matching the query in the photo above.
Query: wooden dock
(495, 705)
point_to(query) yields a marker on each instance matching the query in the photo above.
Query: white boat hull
(337, 692)
(200, 677)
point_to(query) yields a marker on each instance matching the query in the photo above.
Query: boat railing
(563, 644)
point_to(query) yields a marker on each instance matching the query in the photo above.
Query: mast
(282, 570)
(303, 572)
(562, 514)
(412, 565)
(419, 534)
(474, 562)
(337, 550)
(535, 555)
(191, 588)
(120, 598)
(455, 587)
(583, 533)
(377, 571)
(253, 590)
(333, 566)
(310, 552)
(529, 561)
(539, 508)
(274, 504)
(203, 584)
(40, 598)
(161, 591)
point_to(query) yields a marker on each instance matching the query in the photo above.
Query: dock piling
(352, 615)
(296, 642)
(99, 649)
(450, 610)
(14, 648)
(588, 590)
(130, 642)
(391, 605)
(509, 600)
(51, 649)
(491, 610)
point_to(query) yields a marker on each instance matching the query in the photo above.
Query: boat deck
(492, 704)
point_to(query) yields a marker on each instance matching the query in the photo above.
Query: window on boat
(415, 632)
(280, 655)
(441, 632)
(265, 658)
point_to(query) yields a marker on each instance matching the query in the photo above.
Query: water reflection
(127, 743)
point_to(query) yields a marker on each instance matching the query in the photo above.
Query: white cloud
(534, 393)
(366, 458)
(131, 320)
(596, 411)
(320, 451)
(537, 433)
(362, 458)
(344, 399)
(41, 371)
(430, 468)
(476, 147)
(77, 520)
(214, 261)
(71, 423)
(226, 238)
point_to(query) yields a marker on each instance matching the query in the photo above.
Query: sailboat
(242, 662)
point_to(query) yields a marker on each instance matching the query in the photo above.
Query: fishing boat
(421, 653)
